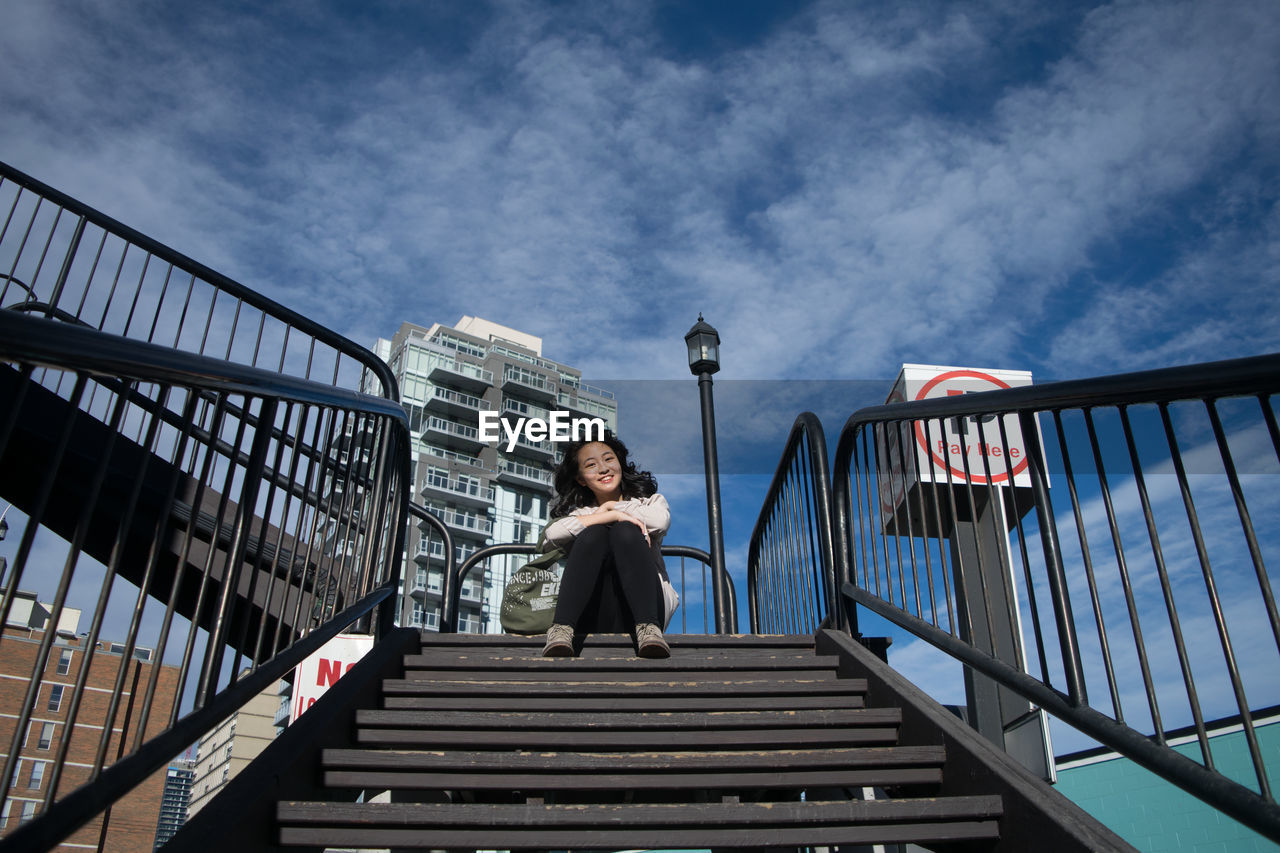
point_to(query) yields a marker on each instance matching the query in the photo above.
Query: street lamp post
(704, 359)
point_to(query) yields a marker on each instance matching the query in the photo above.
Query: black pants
(610, 583)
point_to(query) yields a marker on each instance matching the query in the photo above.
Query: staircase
(734, 742)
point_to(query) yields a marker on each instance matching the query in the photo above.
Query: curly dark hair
(570, 494)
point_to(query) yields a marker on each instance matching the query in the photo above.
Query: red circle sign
(952, 461)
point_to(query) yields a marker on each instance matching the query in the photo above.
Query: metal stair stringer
(1035, 815)
(242, 816)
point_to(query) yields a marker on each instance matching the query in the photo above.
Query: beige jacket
(653, 511)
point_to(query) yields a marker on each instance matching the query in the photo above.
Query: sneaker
(650, 641)
(559, 642)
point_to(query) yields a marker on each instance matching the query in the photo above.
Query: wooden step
(400, 771)
(488, 662)
(691, 761)
(567, 671)
(719, 825)
(622, 651)
(823, 684)
(633, 721)
(622, 741)
(723, 641)
(568, 703)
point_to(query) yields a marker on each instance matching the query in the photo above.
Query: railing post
(842, 535)
(1071, 664)
(253, 476)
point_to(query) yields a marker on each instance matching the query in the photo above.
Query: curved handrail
(795, 515)
(1094, 421)
(341, 344)
(70, 347)
(423, 514)
(453, 593)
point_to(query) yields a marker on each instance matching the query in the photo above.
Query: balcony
(434, 550)
(513, 410)
(465, 522)
(526, 383)
(428, 619)
(595, 391)
(460, 374)
(452, 434)
(467, 491)
(517, 474)
(543, 451)
(585, 405)
(455, 403)
(471, 591)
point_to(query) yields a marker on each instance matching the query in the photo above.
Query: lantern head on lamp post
(704, 359)
(704, 348)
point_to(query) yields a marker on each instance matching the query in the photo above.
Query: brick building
(130, 825)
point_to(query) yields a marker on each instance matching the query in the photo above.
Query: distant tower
(174, 800)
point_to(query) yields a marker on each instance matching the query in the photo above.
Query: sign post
(966, 480)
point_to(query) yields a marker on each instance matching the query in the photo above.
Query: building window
(55, 697)
(228, 756)
(226, 771)
(37, 774)
(46, 736)
(524, 504)
(64, 661)
(28, 811)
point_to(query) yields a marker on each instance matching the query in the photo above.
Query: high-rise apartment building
(175, 800)
(130, 823)
(486, 491)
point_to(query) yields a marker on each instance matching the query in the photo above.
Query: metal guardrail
(791, 568)
(62, 259)
(191, 468)
(1134, 570)
(453, 583)
(220, 521)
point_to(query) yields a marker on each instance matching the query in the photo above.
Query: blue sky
(1070, 188)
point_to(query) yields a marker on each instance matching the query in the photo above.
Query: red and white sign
(982, 451)
(318, 672)
(975, 450)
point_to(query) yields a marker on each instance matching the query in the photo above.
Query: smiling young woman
(611, 519)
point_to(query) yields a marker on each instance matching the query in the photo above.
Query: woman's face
(600, 471)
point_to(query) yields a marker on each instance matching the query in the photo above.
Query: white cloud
(802, 191)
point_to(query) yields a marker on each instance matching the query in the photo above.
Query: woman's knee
(594, 533)
(626, 534)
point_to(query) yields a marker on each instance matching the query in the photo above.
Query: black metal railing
(432, 530)
(791, 568)
(62, 259)
(191, 468)
(1116, 529)
(251, 520)
(680, 579)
